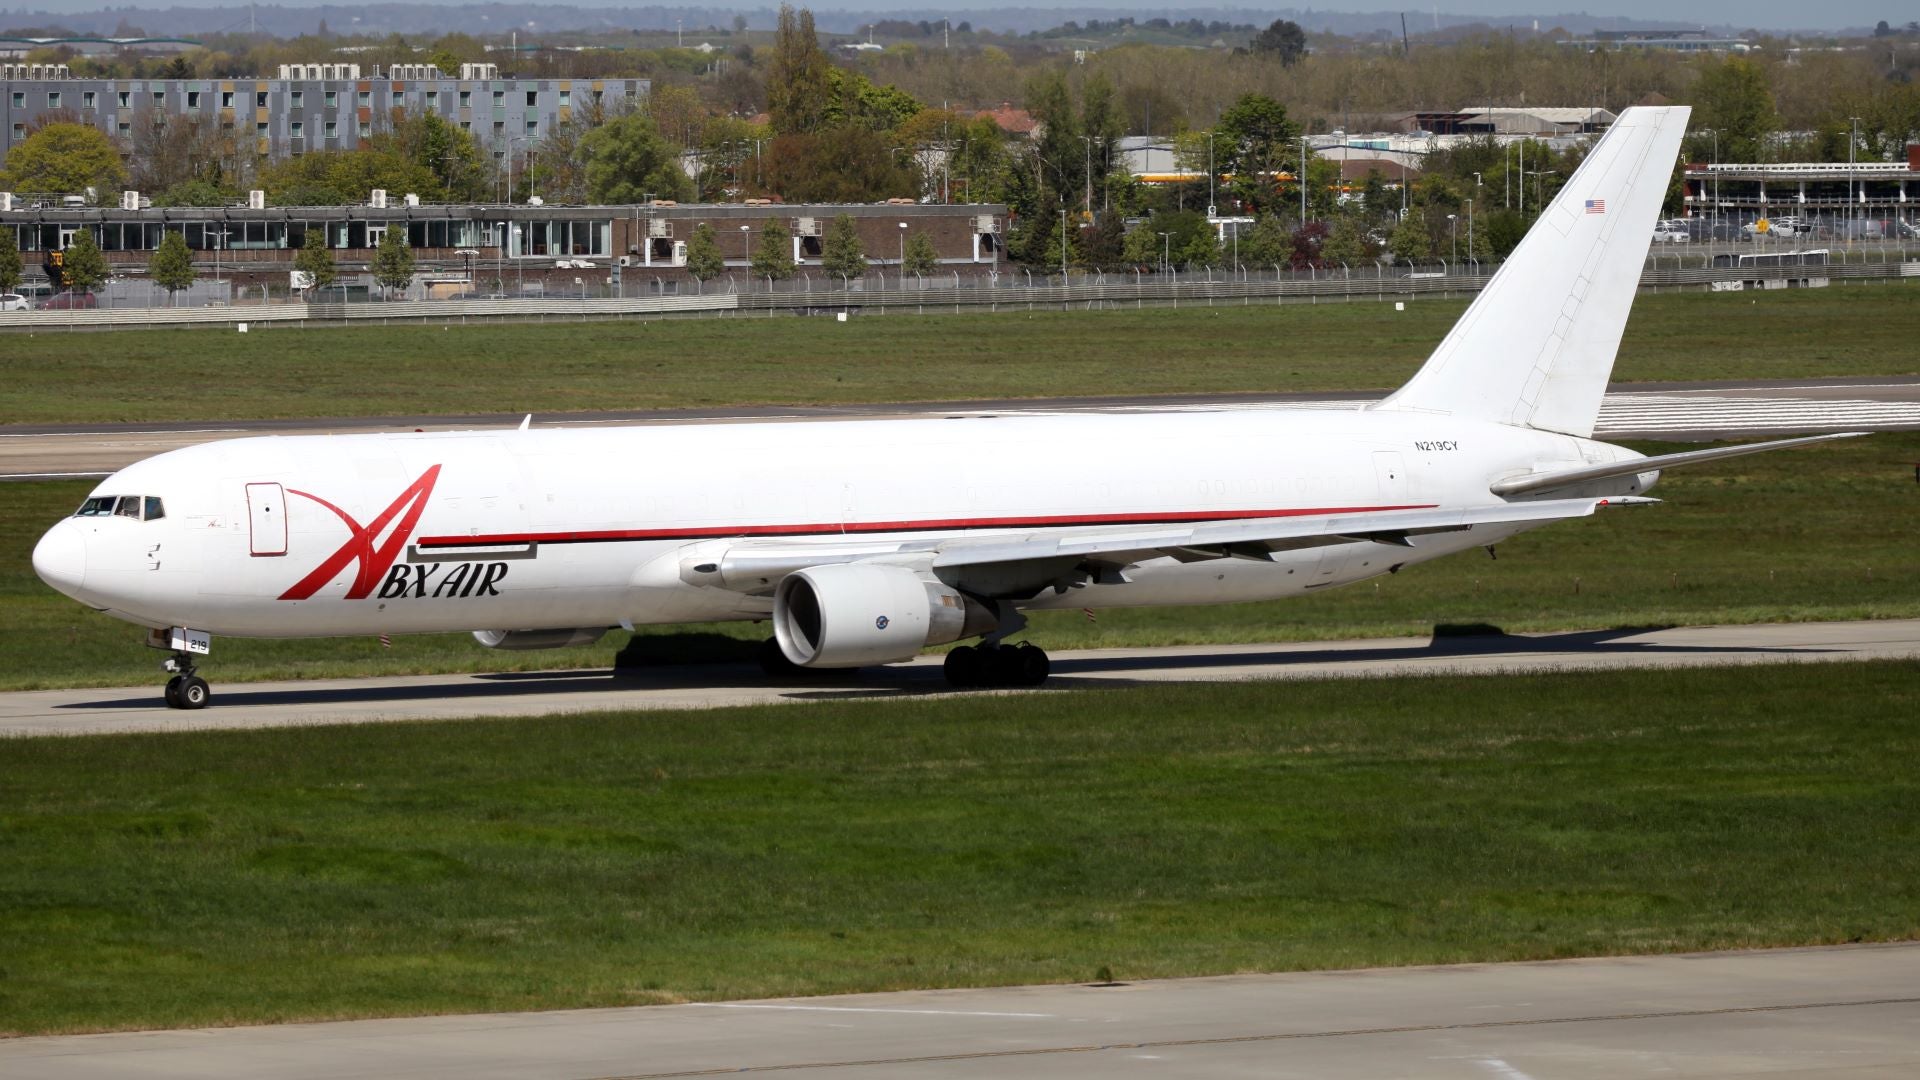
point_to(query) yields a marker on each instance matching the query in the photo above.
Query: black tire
(173, 692)
(194, 692)
(964, 666)
(1032, 665)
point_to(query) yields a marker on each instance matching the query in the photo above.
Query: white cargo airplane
(866, 541)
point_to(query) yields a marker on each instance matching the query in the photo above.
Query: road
(1850, 1011)
(1684, 412)
(429, 697)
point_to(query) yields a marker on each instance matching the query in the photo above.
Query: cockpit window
(137, 507)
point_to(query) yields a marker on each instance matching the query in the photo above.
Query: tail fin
(1537, 345)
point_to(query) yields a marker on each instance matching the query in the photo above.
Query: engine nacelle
(539, 639)
(854, 614)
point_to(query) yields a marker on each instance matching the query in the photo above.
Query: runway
(431, 697)
(1683, 412)
(1849, 1011)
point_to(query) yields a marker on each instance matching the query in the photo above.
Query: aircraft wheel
(173, 692)
(193, 692)
(1032, 665)
(965, 666)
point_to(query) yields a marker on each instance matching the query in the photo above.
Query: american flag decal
(1596, 206)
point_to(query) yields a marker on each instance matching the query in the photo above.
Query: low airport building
(1865, 199)
(498, 249)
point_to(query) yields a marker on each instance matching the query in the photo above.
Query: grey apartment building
(309, 106)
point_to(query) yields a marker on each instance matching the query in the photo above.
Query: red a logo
(374, 561)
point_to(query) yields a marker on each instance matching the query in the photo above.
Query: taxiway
(1844, 1011)
(442, 697)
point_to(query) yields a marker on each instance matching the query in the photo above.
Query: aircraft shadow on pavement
(920, 679)
(1575, 644)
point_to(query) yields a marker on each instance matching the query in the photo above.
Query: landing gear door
(267, 519)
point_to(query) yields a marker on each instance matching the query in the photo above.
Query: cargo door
(267, 519)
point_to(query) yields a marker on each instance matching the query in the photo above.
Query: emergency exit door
(267, 519)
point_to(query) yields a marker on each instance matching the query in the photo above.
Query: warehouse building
(490, 249)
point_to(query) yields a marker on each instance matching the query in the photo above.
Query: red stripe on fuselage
(703, 532)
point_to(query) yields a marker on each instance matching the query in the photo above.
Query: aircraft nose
(60, 558)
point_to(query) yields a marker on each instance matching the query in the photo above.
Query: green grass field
(557, 367)
(1825, 532)
(307, 874)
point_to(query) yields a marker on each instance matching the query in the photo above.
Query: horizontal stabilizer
(1539, 482)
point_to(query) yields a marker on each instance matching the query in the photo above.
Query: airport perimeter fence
(950, 292)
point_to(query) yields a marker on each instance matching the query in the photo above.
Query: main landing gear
(996, 665)
(185, 690)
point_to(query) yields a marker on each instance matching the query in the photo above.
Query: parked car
(13, 301)
(1671, 232)
(70, 301)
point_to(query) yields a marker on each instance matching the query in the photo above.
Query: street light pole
(746, 246)
(1303, 181)
(1453, 235)
(1088, 139)
(1166, 258)
(1470, 227)
(1063, 247)
(903, 253)
(1853, 201)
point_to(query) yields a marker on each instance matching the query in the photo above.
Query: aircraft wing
(1546, 482)
(757, 565)
(1251, 538)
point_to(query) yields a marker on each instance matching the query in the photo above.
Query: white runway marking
(851, 1009)
(1500, 1068)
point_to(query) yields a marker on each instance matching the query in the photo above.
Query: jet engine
(539, 639)
(853, 614)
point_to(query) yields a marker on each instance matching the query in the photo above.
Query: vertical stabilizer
(1537, 345)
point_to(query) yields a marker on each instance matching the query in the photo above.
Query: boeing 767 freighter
(866, 541)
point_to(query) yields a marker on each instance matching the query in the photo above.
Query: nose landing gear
(185, 690)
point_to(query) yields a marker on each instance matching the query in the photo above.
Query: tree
(64, 159)
(921, 257)
(773, 255)
(1734, 99)
(1284, 40)
(172, 264)
(1252, 143)
(11, 268)
(704, 260)
(193, 193)
(1347, 242)
(1410, 239)
(315, 261)
(393, 261)
(83, 267)
(799, 77)
(1267, 244)
(841, 255)
(838, 165)
(627, 160)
